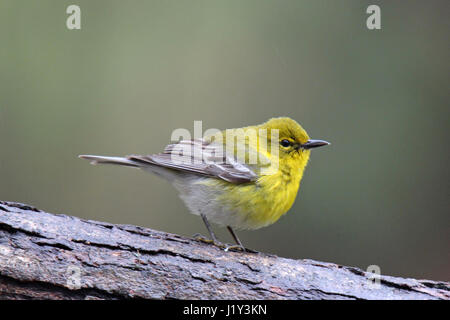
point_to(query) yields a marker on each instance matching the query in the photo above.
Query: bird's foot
(235, 247)
(221, 245)
(228, 247)
(202, 238)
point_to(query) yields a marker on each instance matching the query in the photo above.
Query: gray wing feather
(194, 153)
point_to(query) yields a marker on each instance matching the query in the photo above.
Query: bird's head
(293, 141)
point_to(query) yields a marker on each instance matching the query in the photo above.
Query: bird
(244, 178)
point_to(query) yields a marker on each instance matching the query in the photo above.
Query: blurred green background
(139, 69)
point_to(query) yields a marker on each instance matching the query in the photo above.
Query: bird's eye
(285, 143)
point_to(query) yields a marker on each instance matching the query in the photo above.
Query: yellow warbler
(244, 178)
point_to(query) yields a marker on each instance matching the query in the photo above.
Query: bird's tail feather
(111, 160)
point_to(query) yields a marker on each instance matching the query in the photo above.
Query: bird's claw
(235, 247)
(224, 246)
(202, 238)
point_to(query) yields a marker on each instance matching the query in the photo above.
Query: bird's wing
(200, 157)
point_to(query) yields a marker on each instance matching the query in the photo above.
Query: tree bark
(54, 256)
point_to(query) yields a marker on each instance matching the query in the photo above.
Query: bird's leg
(211, 233)
(216, 242)
(235, 237)
(208, 226)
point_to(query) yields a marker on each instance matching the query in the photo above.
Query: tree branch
(48, 256)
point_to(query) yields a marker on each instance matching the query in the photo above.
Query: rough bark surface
(54, 256)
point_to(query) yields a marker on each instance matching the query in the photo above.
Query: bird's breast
(246, 206)
(262, 203)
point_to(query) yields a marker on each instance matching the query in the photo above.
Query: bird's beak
(314, 144)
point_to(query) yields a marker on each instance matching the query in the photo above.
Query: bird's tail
(142, 162)
(111, 160)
